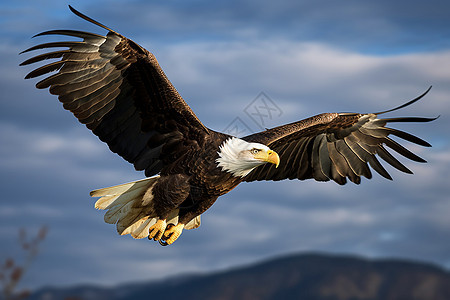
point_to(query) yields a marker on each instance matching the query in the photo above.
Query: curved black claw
(162, 241)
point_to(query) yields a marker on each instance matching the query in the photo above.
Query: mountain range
(301, 276)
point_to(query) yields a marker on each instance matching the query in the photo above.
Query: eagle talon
(168, 232)
(166, 235)
(157, 230)
(171, 234)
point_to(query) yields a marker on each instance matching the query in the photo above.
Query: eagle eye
(255, 151)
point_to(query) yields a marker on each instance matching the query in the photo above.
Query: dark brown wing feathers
(118, 90)
(336, 147)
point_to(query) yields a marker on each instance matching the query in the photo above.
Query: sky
(241, 66)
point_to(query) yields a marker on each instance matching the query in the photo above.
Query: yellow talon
(156, 231)
(173, 233)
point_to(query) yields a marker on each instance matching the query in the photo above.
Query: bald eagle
(118, 90)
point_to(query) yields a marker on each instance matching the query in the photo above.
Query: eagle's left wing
(335, 146)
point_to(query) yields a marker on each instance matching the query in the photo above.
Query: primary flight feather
(118, 90)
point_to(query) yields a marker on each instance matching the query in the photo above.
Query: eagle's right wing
(120, 92)
(335, 146)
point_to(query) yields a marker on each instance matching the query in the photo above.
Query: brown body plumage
(118, 90)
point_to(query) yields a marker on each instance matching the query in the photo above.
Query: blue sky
(308, 57)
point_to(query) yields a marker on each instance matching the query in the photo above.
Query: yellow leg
(172, 233)
(156, 231)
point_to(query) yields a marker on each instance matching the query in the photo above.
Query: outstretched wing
(335, 147)
(118, 90)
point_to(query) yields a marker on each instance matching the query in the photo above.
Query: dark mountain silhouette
(304, 276)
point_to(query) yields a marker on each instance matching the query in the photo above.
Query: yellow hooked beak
(270, 156)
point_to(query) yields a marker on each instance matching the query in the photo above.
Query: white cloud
(44, 143)
(303, 78)
(74, 154)
(25, 211)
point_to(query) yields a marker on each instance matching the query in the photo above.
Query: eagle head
(240, 157)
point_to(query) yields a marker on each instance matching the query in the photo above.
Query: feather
(107, 202)
(193, 224)
(324, 158)
(68, 98)
(131, 229)
(116, 212)
(295, 158)
(88, 80)
(85, 103)
(406, 136)
(62, 78)
(402, 150)
(362, 155)
(318, 172)
(118, 189)
(140, 229)
(336, 176)
(129, 217)
(302, 160)
(375, 164)
(338, 160)
(45, 69)
(50, 55)
(84, 115)
(75, 46)
(409, 119)
(130, 210)
(374, 132)
(351, 158)
(89, 19)
(173, 217)
(386, 156)
(75, 33)
(406, 104)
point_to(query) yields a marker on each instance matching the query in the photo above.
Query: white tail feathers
(129, 206)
